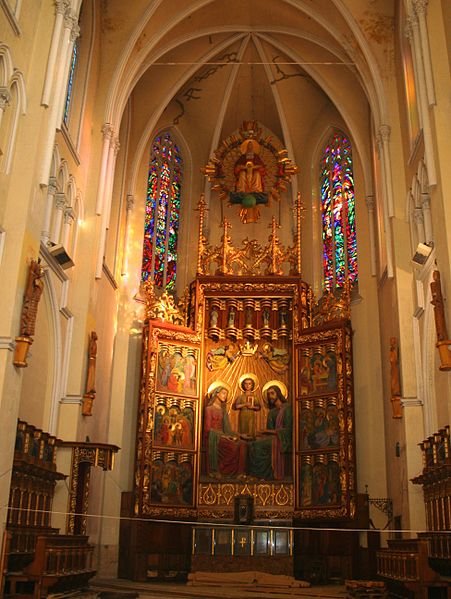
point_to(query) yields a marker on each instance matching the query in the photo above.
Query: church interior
(224, 321)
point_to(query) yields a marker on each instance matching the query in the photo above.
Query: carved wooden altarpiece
(297, 466)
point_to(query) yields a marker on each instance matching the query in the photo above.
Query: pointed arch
(17, 106)
(6, 65)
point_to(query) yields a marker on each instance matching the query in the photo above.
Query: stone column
(370, 207)
(107, 132)
(62, 6)
(71, 31)
(388, 236)
(413, 35)
(69, 217)
(130, 204)
(60, 204)
(109, 180)
(419, 222)
(420, 8)
(426, 206)
(51, 191)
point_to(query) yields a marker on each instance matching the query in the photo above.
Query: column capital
(107, 131)
(68, 17)
(52, 186)
(60, 200)
(412, 26)
(5, 97)
(418, 216)
(62, 6)
(425, 201)
(69, 215)
(130, 201)
(420, 6)
(117, 146)
(385, 131)
(370, 203)
(75, 31)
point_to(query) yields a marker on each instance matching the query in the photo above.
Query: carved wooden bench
(61, 563)
(406, 562)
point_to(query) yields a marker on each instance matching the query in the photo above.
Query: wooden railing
(439, 544)
(406, 560)
(61, 563)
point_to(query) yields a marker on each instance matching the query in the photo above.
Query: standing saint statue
(89, 396)
(439, 307)
(92, 358)
(32, 295)
(248, 404)
(249, 171)
(443, 342)
(395, 381)
(33, 292)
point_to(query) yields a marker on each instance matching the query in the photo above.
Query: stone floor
(125, 589)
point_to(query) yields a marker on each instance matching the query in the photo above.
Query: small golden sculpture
(443, 341)
(90, 394)
(162, 307)
(32, 295)
(202, 244)
(333, 306)
(251, 259)
(248, 170)
(395, 381)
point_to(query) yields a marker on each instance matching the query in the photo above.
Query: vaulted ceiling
(204, 66)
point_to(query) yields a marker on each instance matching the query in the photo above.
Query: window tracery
(162, 213)
(338, 213)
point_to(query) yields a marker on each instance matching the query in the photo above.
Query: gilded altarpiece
(247, 400)
(247, 390)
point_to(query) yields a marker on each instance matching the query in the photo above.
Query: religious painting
(247, 433)
(326, 483)
(318, 369)
(306, 484)
(174, 423)
(177, 369)
(172, 479)
(325, 443)
(320, 424)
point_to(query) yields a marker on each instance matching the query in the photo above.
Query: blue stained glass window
(338, 214)
(70, 83)
(162, 213)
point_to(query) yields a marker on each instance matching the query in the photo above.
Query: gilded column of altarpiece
(231, 405)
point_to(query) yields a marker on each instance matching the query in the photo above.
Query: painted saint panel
(171, 479)
(177, 369)
(174, 422)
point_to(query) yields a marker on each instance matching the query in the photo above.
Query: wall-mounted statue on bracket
(32, 295)
(443, 342)
(395, 380)
(90, 394)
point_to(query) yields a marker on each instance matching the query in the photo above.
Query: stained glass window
(70, 83)
(162, 212)
(338, 214)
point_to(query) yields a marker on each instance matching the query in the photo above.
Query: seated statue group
(248, 453)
